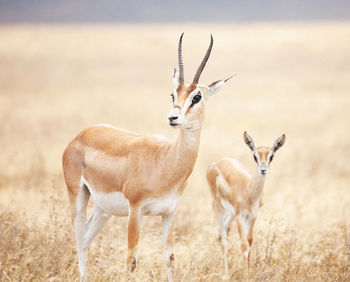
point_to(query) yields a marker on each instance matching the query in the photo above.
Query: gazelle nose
(172, 118)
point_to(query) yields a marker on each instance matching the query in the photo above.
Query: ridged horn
(204, 61)
(181, 64)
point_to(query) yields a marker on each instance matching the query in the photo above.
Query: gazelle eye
(196, 99)
(172, 97)
(271, 158)
(255, 158)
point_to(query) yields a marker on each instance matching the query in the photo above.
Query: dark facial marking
(196, 99)
(172, 97)
(255, 158)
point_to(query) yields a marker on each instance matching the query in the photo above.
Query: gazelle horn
(204, 61)
(181, 64)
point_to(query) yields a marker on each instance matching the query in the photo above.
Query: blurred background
(104, 11)
(65, 65)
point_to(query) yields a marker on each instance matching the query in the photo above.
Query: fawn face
(263, 155)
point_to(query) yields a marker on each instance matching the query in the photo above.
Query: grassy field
(292, 79)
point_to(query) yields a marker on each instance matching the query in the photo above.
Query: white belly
(160, 206)
(116, 204)
(112, 203)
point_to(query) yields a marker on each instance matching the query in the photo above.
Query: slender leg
(92, 227)
(250, 239)
(168, 226)
(225, 221)
(261, 201)
(133, 237)
(97, 220)
(80, 225)
(244, 224)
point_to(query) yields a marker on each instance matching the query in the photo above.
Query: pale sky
(37, 11)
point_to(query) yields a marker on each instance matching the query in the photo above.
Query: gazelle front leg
(250, 239)
(244, 226)
(168, 226)
(225, 219)
(133, 237)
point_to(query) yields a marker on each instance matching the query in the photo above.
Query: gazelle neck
(256, 186)
(186, 148)
(190, 134)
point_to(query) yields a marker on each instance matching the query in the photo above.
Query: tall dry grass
(292, 78)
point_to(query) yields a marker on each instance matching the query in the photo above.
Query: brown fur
(263, 152)
(119, 161)
(139, 166)
(236, 193)
(183, 92)
(238, 189)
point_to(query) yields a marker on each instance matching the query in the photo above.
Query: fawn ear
(176, 75)
(278, 143)
(249, 141)
(217, 85)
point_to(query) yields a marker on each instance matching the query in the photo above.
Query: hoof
(132, 264)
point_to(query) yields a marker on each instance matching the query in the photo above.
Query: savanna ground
(292, 78)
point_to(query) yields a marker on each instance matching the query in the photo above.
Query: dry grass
(293, 78)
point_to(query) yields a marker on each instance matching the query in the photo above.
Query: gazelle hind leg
(79, 221)
(96, 222)
(244, 227)
(225, 220)
(94, 225)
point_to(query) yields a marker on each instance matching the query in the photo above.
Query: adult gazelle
(131, 174)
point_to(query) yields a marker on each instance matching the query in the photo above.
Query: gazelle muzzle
(175, 117)
(263, 168)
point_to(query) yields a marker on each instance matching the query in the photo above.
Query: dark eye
(172, 97)
(196, 99)
(255, 158)
(271, 158)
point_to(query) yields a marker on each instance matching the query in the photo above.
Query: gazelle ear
(249, 141)
(217, 85)
(176, 75)
(278, 143)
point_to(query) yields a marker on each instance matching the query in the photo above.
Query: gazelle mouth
(173, 124)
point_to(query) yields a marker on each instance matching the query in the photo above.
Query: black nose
(172, 118)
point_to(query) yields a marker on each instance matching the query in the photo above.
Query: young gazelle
(130, 174)
(237, 193)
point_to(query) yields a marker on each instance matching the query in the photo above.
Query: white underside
(116, 204)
